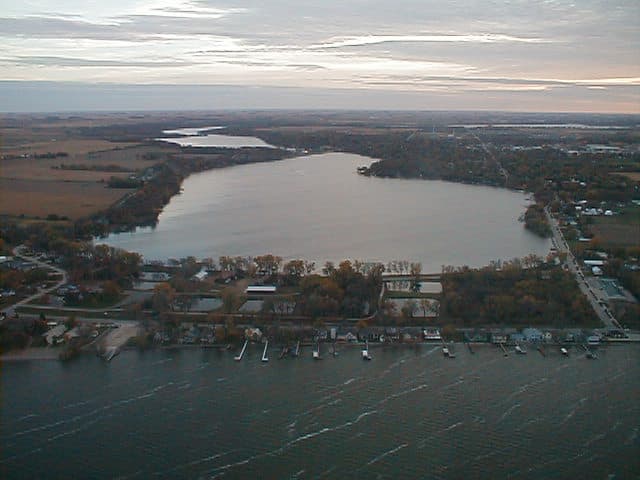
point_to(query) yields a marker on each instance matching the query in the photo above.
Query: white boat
(431, 334)
(593, 340)
(365, 352)
(564, 351)
(237, 358)
(264, 352)
(521, 350)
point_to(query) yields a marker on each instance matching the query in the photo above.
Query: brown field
(616, 234)
(72, 147)
(635, 176)
(41, 169)
(38, 198)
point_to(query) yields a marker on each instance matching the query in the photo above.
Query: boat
(521, 350)
(365, 352)
(564, 351)
(447, 353)
(316, 352)
(238, 357)
(593, 340)
(264, 352)
(431, 334)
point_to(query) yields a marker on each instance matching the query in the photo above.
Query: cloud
(87, 62)
(378, 39)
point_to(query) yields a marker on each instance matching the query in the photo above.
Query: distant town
(63, 294)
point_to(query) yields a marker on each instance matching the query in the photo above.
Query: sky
(521, 55)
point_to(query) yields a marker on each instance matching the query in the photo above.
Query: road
(499, 166)
(17, 252)
(559, 242)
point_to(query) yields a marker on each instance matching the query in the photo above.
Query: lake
(191, 139)
(409, 413)
(318, 208)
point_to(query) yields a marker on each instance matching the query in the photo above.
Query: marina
(349, 413)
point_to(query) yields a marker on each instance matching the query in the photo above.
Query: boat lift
(238, 357)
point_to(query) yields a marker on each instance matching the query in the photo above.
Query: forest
(510, 294)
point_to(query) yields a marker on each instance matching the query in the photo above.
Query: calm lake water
(318, 208)
(214, 140)
(409, 413)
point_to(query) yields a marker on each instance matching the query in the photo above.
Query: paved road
(561, 245)
(17, 252)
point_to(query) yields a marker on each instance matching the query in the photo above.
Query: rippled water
(318, 208)
(409, 413)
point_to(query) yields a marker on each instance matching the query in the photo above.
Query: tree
(268, 264)
(294, 270)
(425, 304)
(309, 267)
(415, 271)
(408, 308)
(111, 290)
(71, 322)
(185, 302)
(231, 300)
(163, 297)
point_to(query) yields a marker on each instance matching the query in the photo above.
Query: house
(260, 289)
(54, 335)
(532, 335)
(201, 275)
(517, 337)
(253, 334)
(498, 337)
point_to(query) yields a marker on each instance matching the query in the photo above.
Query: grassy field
(619, 230)
(635, 176)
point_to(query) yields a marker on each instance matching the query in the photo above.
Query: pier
(238, 357)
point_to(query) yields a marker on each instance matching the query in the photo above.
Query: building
(54, 335)
(260, 289)
(532, 335)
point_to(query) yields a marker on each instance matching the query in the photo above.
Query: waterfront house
(498, 337)
(55, 334)
(517, 337)
(260, 289)
(532, 335)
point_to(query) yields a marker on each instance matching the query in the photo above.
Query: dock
(109, 353)
(590, 354)
(238, 357)
(365, 352)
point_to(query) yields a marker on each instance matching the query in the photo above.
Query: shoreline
(47, 353)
